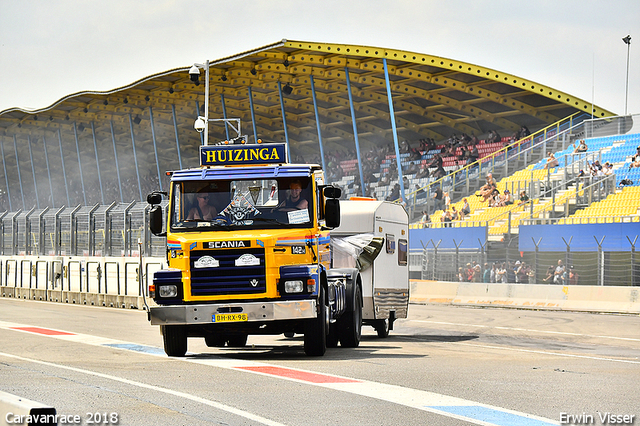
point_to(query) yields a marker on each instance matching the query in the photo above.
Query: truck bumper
(256, 311)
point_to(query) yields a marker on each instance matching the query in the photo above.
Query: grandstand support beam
(355, 129)
(115, 156)
(15, 147)
(393, 126)
(33, 172)
(64, 170)
(135, 157)
(155, 148)
(315, 110)
(4, 165)
(95, 149)
(46, 158)
(75, 134)
(224, 115)
(175, 129)
(253, 116)
(284, 120)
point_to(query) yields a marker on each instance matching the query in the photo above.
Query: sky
(50, 49)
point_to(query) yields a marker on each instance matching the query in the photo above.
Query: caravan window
(402, 252)
(391, 243)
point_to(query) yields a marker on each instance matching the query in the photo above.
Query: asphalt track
(442, 366)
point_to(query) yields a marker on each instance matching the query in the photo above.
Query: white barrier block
(18, 410)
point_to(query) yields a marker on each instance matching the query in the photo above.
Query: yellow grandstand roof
(433, 97)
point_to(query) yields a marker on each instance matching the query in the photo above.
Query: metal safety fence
(100, 230)
(507, 264)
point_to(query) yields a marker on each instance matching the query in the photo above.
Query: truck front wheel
(175, 340)
(315, 330)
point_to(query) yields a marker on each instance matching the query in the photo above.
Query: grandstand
(98, 153)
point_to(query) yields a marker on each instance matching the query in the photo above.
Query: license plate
(229, 317)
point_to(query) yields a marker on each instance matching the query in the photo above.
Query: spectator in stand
(447, 200)
(493, 137)
(582, 147)
(486, 191)
(462, 276)
(573, 276)
(501, 273)
(477, 274)
(486, 275)
(455, 214)
(437, 198)
(425, 220)
(446, 219)
(395, 193)
(423, 172)
(496, 200)
(473, 155)
(405, 182)
(549, 276)
(439, 173)
(635, 161)
(511, 273)
(523, 132)
(420, 193)
(552, 161)
(466, 209)
(469, 271)
(524, 199)
(507, 198)
(559, 273)
(521, 270)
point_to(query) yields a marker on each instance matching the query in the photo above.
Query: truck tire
(350, 323)
(333, 336)
(382, 328)
(237, 341)
(215, 340)
(315, 330)
(175, 340)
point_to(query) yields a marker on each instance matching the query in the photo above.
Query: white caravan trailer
(377, 229)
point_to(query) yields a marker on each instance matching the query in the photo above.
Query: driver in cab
(294, 201)
(202, 210)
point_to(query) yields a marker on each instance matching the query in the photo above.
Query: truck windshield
(240, 204)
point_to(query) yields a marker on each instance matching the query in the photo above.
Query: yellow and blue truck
(249, 252)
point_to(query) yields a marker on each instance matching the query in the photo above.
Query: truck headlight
(293, 286)
(168, 291)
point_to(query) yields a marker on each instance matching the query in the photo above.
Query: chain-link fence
(505, 263)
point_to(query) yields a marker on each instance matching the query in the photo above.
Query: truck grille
(228, 278)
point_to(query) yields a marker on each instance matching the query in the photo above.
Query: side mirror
(332, 212)
(332, 192)
(155, 198)
(155, 221)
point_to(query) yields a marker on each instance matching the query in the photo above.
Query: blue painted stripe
(492, 416)
(136, 348)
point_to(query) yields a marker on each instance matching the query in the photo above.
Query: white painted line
(525, 329)
(469, 411)
(179, 394)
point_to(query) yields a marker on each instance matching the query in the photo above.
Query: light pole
(202, 123)
(627, 41)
